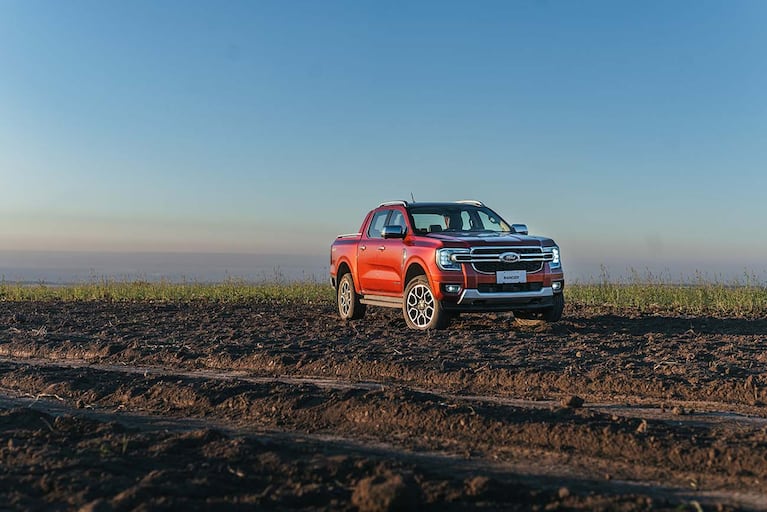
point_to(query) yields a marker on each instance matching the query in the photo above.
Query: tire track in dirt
(587, 442)
(593, 353)
(677, 411)
(538, 474)
(673, 399)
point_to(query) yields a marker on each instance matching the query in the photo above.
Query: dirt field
(139, 406)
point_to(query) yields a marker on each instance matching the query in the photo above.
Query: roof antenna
(412, 197)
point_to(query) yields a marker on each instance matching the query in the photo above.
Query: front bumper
(473, 300)
(475, 296)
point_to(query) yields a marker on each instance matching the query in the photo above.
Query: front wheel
(421, 309)
(554, 313)
(349, 305)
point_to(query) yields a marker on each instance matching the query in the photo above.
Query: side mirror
(520, 229)
(393, 232)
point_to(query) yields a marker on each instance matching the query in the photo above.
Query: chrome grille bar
(495, 255)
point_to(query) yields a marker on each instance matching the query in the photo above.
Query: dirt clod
(99, 505)
(384, 493)
(477, 485)
(572, 402)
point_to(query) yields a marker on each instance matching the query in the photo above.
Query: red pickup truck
(436, 260)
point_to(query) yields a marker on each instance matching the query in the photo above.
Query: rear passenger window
(377, 224)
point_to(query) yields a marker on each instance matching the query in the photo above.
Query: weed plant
(646, 293)
(699, 295)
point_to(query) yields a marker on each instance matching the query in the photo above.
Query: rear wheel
(421, 309)
(349, 305)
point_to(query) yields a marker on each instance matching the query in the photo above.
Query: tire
(554, 313)
(349, 305)
(421, 309)
(525, 315)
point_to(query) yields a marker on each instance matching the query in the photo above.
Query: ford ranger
(436, 260)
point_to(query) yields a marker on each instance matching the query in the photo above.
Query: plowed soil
(147, 406)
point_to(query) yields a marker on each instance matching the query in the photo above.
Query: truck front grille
(487, 260)
(491, 268)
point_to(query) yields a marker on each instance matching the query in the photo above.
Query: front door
(371, 277)
(390, 258)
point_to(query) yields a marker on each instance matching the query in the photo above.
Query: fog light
(556, 286)
(452, 288)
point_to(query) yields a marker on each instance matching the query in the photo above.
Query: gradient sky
(632, 132)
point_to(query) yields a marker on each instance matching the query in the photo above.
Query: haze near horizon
(630, 132)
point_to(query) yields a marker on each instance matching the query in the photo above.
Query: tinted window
(490, 222)
(456, 217)
(429, 222)
(377, 224)
(397, 219)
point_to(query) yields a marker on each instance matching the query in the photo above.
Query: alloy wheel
(420, 305)
(345, 298)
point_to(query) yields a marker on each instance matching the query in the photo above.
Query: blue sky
(631, 132)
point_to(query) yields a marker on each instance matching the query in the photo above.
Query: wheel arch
(344, 268)
(415, 268)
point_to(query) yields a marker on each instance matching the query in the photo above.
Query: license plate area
(510, 276)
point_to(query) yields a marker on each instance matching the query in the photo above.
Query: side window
(377, 224)
(397, 219)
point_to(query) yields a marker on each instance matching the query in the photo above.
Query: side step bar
(382, 300)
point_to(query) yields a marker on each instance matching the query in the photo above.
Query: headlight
(555, 262)
(445, 260)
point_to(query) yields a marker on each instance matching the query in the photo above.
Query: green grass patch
(646, 294)
(699, 295)
(228, 291)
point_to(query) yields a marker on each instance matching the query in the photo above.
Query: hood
(474, 239)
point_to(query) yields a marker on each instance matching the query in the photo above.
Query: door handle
(362, 247)
(382, 248)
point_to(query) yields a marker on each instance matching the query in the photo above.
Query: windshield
(456, 217)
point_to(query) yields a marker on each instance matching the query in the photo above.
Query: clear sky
(632, 132)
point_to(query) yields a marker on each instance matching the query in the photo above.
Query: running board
(382, 300)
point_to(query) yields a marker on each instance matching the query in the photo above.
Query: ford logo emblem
(510, 257)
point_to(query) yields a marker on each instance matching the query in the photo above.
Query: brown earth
(132, 406)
